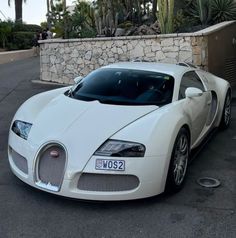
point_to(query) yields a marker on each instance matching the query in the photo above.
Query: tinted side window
(190, 79)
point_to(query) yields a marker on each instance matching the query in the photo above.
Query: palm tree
(18, 9)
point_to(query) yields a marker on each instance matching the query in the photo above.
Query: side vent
(230, 71)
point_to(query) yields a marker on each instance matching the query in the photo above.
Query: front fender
(29, 110)
(157, 131)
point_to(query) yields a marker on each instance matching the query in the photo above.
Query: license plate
(105, 164)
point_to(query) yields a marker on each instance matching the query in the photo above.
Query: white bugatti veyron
(123, 132)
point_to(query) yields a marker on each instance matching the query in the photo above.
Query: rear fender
(222, 87)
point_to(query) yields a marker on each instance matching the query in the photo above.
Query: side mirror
(78, 79)
(193, 92)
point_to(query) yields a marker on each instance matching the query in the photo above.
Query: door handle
(209, 102)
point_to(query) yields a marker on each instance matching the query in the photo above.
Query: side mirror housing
(78, 79)
(192, 92)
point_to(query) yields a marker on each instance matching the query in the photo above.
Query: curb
(36, 81)
(10, 56)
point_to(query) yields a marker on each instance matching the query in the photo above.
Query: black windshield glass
(126, 87)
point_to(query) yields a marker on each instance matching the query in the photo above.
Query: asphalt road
(193, 212)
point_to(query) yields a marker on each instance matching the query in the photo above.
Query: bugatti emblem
(54, 154)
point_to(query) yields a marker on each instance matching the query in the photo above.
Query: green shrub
(18, 27)
(200, 10)
(87, 33)
(5, 32)
(223, 10)
(182, 22)
(21, 40)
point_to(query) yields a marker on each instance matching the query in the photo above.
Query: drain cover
(208, 182)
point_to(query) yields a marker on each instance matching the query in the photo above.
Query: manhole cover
(208, 182)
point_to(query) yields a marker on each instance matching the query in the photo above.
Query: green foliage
(106, 17)
(44, 25)
(166, 15)
(182, 22)
(83, 21)
(208, 12)
(15, 40)
(87, 33)
(84, 14)
(201, 11)
(223, 10)
(21, 40)
(58, 29)
(26, 27)
(102, 17)
(5, 32)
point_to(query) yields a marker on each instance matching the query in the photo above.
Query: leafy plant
(5, 32)
(223, 10)
(201, 10)
(26, 27)
(165, 15)
(182, 22)
(21, 40)
(83, 20)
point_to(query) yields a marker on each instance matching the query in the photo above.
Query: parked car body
(123, 132)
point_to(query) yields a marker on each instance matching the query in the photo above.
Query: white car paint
(82, 127)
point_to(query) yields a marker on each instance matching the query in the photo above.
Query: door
(197, 108)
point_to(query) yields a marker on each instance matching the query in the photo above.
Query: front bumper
(150, 171)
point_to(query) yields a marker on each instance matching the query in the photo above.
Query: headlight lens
(121, 149)
(21, 128)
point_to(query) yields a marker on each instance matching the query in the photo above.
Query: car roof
(165, 68)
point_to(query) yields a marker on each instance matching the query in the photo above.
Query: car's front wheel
(226, 114)
(179, 162)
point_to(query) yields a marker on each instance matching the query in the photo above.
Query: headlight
(21, 128)
(121, 149)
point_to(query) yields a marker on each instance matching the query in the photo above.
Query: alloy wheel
(180, 159)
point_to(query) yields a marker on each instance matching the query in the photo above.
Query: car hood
(81, 126)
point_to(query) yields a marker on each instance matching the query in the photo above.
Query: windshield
(125, 87)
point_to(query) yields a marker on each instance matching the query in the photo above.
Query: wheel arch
(186, 126)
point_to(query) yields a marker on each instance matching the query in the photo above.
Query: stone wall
(62, 60)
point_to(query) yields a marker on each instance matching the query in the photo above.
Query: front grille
(50, 169)
(107, 182)
(19, 161)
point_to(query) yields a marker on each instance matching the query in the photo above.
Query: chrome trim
(43, 148)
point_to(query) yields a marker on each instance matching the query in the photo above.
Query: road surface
(193, 212)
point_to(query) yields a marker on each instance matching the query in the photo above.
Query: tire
(226, 113)
(179, 162)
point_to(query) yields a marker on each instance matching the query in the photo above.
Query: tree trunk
(66, 35)
(154, 10)
(49, 22)
(18, 10)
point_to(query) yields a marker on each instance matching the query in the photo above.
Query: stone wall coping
(204, 32)
(211, 29)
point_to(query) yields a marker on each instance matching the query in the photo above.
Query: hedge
(18, 27)
(21, 40)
